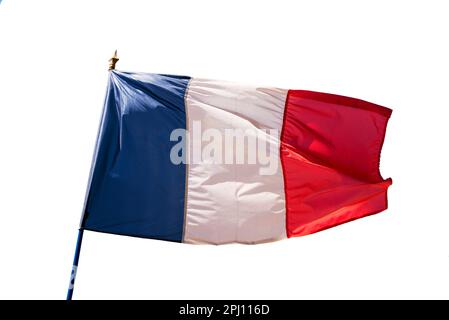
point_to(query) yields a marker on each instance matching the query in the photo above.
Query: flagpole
(75, 264)
(79, 241)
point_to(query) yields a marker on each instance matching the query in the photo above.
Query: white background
(53, 61)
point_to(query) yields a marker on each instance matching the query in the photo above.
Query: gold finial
(113, 61)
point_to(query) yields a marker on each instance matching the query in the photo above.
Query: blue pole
(75, 264)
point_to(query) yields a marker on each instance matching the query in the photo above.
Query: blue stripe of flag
(135, 189)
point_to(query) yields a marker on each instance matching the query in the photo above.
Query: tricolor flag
(211, 162)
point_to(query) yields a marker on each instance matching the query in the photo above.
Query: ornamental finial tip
(113, 61)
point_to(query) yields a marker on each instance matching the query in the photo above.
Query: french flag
(158, 171)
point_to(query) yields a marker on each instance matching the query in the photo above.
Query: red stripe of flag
(330, 153)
